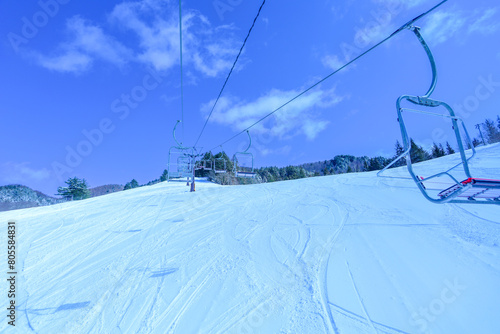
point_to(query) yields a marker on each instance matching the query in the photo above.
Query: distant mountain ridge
(16, 196)
(103, 190)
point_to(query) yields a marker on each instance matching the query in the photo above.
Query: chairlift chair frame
(220, 171)
(207, 164)
(477, 191)
(184, 166)
(239, 172)
(224, 163)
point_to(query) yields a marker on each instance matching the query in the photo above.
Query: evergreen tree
(476, 142)
(366, 165)
(131, 185)
(492, 133)
(399, 150)
(498, 122)
(449, 149)
(164, 175)
(376, 163)
(437, 150)
(417, 153)
(441, 150)
(76, 190)
(219, 164)
(207, 162)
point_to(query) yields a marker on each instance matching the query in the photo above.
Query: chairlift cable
(403, 27)
(230, 72)
(182, 77)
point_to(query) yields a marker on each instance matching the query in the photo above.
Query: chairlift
(220, 164)
(183, 165)
(207, 164)
(244, 171)
(204, 164)
(471, 190)
(198, 165)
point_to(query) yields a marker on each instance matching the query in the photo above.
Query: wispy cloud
(485, 22)
(299, 117)
(13, 173)
(285, 150)
(438, 28)
(378, 24)
(149, 34)
(443, 25)
(333, 62)
(447, 24)
(88, 43)
(158, 38)
(69, 61)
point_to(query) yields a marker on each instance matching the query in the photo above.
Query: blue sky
(93, 90)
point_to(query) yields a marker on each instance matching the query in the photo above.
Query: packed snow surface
(346, 253)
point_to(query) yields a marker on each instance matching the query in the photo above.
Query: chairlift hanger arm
(249, 142)
(173, 133)
(416, 31)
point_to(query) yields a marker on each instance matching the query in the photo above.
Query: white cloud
(439, 27)
(14, 173)
(332, 62)
(372, 29)
(312, 128)
(485, 23)
(91, 39)
(285, 150)
(298, 117)
(88, 43)
(373, 33)
(396, 4)
(70, 61)
(158, 38)
(155, 25)
(443, 25)
(209, 50)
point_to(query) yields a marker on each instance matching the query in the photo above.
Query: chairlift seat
(474, 189)
(245, 174)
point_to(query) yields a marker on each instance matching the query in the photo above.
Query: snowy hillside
(339, 254)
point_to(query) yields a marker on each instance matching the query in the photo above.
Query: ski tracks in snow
(301, 245)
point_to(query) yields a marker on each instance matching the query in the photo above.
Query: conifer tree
(437, 150)
(131, 185)
(399, 150)
(164, 176)
(417, 153)
(77, 189)
(476, 142)
(449, 149)
(492, 132)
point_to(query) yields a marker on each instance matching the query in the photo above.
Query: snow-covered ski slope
(340, 254)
